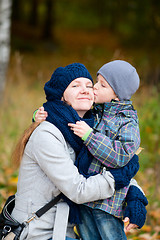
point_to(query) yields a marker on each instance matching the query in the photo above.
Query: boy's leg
(88, 229)
(109, 227)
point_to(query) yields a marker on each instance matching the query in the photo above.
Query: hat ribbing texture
(62, 77)
(122, 77)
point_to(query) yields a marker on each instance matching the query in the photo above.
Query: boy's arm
(39, 115)
(136, 206)
(112, 153)
(34, 114)
(115, 152)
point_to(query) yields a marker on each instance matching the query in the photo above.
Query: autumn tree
(5, 22)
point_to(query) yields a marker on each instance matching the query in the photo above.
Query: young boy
(113, 142)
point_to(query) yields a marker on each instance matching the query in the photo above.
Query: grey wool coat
(47, 168)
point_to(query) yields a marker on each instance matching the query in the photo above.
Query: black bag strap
(49, 205)
(6, 218)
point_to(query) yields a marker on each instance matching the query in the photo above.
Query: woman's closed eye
(89, 86)
(77, 85)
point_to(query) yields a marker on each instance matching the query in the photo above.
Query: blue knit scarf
(60, 114)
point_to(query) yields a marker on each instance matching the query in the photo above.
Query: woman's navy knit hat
(122, 77)
(62, 77)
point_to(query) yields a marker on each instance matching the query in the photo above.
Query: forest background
(46, 34)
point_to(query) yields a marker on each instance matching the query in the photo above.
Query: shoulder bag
(10, 228)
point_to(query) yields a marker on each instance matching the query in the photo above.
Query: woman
(47, 165)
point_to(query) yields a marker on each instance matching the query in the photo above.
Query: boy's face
(103, 91)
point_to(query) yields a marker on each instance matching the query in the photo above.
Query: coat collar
(113, 107)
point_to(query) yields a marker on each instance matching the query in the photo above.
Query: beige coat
(47, 168)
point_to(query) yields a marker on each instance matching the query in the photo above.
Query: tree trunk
(5, 22)
(34, 13)
(16, 10)
(49, 20)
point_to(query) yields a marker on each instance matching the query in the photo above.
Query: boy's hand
(41, 115)
(128, 225)
(80, 128)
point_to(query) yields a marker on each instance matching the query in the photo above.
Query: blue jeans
(99, 225)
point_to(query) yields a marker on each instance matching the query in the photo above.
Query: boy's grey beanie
(122, 77)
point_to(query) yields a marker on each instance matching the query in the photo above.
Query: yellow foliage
(148, 129)
(139, 150)
(75, 230)
(13, 181)
(155, 214)
(146, 228)
(3, 193)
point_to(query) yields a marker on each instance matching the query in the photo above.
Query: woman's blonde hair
(19, 149)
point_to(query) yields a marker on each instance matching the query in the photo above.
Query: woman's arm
(121, 176)
(51, 153)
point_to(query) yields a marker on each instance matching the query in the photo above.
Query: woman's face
(79, 95)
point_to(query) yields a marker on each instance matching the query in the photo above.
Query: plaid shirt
(113, 143)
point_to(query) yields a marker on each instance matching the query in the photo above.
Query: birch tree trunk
(5, 22)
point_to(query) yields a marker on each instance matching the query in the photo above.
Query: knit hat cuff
(62, 77)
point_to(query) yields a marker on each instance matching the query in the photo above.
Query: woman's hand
(80, 128)
(41, 115)
(128, 225)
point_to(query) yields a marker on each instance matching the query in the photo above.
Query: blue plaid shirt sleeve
(116, 149)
